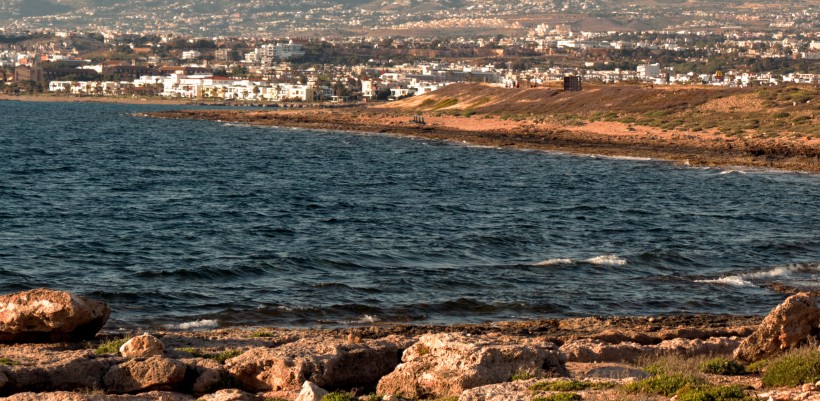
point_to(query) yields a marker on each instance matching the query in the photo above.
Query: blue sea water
(173, 221)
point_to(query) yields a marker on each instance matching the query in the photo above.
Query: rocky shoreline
(608, 139)
(48, 353)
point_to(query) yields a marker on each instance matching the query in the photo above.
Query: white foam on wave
(197, 324)
(609, 260)
(734, 281)
(724, 172)
(555, 261)
(779, 272)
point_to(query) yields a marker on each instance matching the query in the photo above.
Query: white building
(649, 70)
(191, 55)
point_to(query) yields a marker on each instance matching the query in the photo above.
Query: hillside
(787, 111)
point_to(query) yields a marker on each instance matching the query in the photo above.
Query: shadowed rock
(65, 370)
(446, 364)
(330, 363)
(787, 326)
(44, 315)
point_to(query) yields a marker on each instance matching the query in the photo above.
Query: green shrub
(8, 362)
(561, 385)
(111, 346)
(712, 393)
(792, 369)
(722, 366)
(339, 396)
(225, 355)
(522, 376)
(560, 397)
(664, 384)
(444, 103)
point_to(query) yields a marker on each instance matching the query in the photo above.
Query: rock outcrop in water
(44, 315)
(787, 326)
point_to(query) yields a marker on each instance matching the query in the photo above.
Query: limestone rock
(446, 364)
(509, 391)
(44, 315)
(208, 373)
(231, 395)
(329, 363)
(68, 396)
(58, 370)
(787, 326)
(153, 373)
(311, 392)
(142, 346)
(588, 350)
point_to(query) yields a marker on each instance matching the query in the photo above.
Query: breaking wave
(195, 325)
(753, 279)
(606, 260)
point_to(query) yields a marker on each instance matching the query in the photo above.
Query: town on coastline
(778, 48)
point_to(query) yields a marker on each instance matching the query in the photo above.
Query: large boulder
(446, 364)
(154, 373)
(142, 346)
(787, 325)
(44, 315)
(331, 364)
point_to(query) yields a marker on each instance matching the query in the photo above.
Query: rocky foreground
(52, 351)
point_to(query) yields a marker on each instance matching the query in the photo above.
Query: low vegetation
(8, 362)
(339, 396)
(794, 368)
(722, 366)
(560, 397)
(754, 112)
(220, 357)
(111, 346)
(687, 388)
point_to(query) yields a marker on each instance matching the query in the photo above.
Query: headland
(770, 127)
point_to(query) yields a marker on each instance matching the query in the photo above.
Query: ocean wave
(724, 172)
(609, 260)
(775, 273)
(735, 281)
(197, 324)
(605, 260)
(555, 261)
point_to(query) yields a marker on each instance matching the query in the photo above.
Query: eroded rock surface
(446, 364)
(154, 373)
(44, 315)
(588, 350)
(787, 326)
(330, 363)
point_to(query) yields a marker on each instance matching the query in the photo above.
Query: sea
(180, 224)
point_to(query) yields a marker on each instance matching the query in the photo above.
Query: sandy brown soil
(598, 138)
